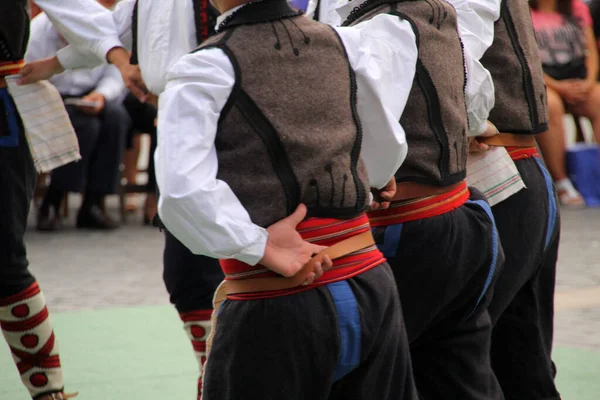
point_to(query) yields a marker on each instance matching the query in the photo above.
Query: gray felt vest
(513, 61)
(435, 117)
(289, 133)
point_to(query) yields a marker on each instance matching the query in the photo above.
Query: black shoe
(94, 218)
(48, 220)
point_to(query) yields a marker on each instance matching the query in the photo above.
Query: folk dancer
(264, 159)
(190, 279)
(438, 235)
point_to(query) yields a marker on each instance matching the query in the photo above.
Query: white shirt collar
(345, 10)
(227, 13)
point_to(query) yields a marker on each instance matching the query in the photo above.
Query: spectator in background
(143, 117)
(101, 130)
(569, 55)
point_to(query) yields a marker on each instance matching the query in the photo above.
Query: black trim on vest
(279, 159)
(133, 60)
(259, 12)
(527, 78)
(370, 5)
(435, 114)
(361, 195)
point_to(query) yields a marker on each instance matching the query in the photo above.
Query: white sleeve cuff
(252, 254)
(107, 45)
(70, 58)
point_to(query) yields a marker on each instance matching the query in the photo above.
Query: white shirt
(84, 23)
(479, 90)
(45, 41)
(202, 211)
(476, 28)
(166, 29)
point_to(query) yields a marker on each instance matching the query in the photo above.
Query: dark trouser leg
(289, 347)
(24, 318)
(445, 268)
(73, 177)
(523, 307)
(104, 173)
(191, 281)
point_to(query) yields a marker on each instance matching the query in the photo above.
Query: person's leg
(591, 109)
(130, 171)
(445, 268)
(552, 142)
(104, 174)
(524, 311)
(191, 281)
(70, 177)
(24, 319)
(385, 370)
(553, 148)
(339, 341)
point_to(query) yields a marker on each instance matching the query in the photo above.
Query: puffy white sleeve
(199, 209)
(383, 54)
(479, 94)
(476, 20)
(81, 54)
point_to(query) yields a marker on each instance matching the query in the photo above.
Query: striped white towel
(494, 173)
(50, 135)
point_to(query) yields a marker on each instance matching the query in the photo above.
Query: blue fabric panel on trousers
(391, 238)
(350, 328)
(12, 139)
(495, 240)
(300, 4)
(552, 211)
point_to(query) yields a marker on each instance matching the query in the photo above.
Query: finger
(298, 215)
(384, 205)
(25, 78)
(318, 270)
(387, 195)
(327, 263)
(309, 279)
(374, 206)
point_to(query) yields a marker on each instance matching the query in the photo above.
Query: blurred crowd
(108, 120)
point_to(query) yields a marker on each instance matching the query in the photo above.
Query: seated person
(569, 55)
(143, 117)
(101, 130)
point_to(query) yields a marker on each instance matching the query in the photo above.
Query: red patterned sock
(197, 326)
(27, 329)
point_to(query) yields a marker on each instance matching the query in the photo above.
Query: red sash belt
(421, 208)
(321, 231)
(520, 153)
(11, 67)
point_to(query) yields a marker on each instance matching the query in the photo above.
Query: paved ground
(107, 278)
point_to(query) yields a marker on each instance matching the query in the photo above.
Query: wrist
(118, 56)
(56, 66)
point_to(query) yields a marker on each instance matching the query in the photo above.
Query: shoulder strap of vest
(134, 32)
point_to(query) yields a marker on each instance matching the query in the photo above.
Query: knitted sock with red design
(27, 328)
(197, 326)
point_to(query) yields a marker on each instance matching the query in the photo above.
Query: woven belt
(11, 67)
(253, 285)
(509, 139)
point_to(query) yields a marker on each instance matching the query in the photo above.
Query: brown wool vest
(435, 117)
(513, 61)
(289, 133)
